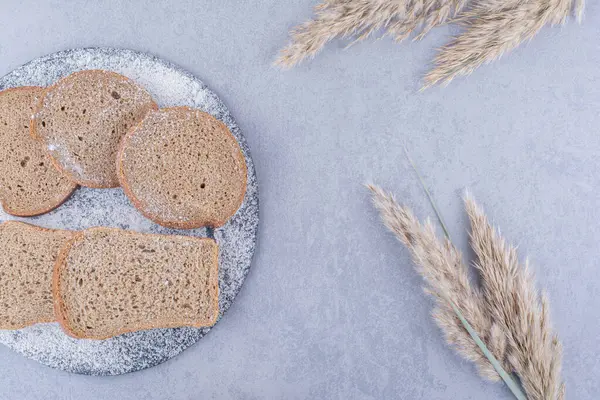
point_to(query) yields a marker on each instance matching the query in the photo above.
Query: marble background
(331, 308)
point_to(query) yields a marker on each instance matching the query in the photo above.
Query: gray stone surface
(331, 307)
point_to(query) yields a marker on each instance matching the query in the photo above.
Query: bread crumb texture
(82, 118)
(29, 183)
(26, 266)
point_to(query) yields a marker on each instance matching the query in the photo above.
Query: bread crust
(35, 213)
(42, 210)
(190, 224)
(60, 307)
(34, 121)
(41, 321)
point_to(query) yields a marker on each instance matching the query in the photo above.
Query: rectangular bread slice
(26, 264)
(109, 281)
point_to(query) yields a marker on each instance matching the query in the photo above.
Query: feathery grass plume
(507, 314)
(360, 18)
(446, 279)
(532, 350)
(494, 27)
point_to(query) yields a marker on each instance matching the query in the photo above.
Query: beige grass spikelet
(446, 279)
(507, 312)
(360, 18)
(493, 28)
(532, 350)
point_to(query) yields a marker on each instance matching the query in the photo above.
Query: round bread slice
(82, 119)
(182, 168)
(29, 184)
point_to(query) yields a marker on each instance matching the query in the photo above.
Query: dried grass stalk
(492, 27)
(446, 279)
(532, 350)
(360, 18)
(507, 313)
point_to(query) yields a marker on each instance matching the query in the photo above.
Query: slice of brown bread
(29, 184)
(81, 120)
(182, 168)
(26, 267)
(108, 282)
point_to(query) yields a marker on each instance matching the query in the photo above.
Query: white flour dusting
(170, 86)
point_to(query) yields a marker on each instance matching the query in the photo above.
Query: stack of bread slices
(179, 166)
